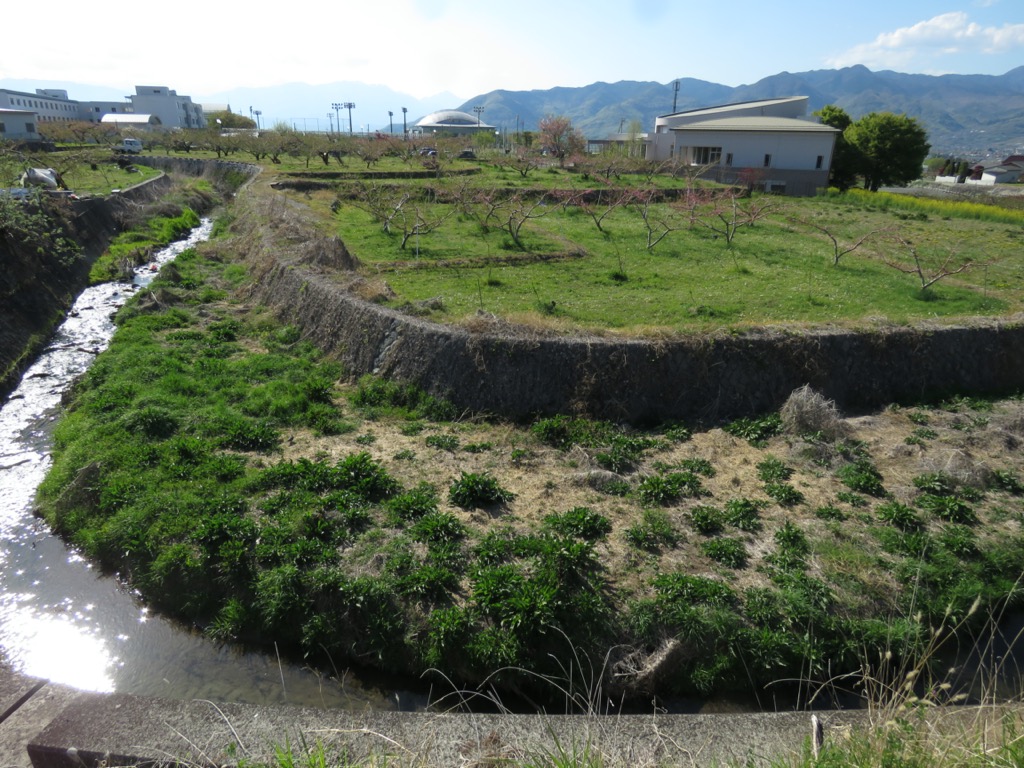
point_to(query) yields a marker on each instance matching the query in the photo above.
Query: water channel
(63, 621)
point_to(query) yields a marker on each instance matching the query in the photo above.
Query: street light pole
(478, 110)
(391, 124)
(337, 106)
(257, 113)
(349, 105)
(405, 131)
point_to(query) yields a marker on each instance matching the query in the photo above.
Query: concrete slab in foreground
(121, 730)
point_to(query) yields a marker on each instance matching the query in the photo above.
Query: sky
(470, 47)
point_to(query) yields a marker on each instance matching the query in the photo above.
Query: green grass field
(566, 273)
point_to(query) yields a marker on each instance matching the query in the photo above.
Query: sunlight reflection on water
(63, 621)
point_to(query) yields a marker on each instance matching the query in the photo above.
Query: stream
(62, 620)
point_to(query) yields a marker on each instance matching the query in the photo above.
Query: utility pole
(405, 131)
(675, 87)
(349, 105)
(391, 124)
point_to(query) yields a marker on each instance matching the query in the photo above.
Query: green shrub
(1006, 480)
(949, 508)
(693, 590)
(152, 421)
(829, 512)
(744, 514)
(959, 540)
(772, 470)
(853, 499)
(730, 552)
(364, 475)
(623, 453)
(756, 431)
(698, 466)
(899, 516)
(477, 490)
(415, 503)
(438, 528)
(784, 494)
(705, 520)
(668, 489)
(448, 443)
(653, 532)
(580, 522)
(863, 477)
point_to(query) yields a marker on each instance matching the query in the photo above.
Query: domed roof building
(450, 122)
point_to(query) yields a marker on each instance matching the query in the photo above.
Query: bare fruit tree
(728, 212)
(658, 221)
(840, 248)
(953, 264)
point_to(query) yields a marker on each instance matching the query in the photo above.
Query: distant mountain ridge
(963, 114)
(966, 115)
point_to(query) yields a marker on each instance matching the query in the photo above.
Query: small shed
(18, 125)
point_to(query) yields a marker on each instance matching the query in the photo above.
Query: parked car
(467, 154)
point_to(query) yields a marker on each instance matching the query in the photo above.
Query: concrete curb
(48, 726)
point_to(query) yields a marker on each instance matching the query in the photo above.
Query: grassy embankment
(221, 465)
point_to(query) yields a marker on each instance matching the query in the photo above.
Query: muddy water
(62, 620)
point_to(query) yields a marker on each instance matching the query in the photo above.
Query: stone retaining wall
(706, 377)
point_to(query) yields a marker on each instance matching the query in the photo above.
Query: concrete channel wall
(48, 726)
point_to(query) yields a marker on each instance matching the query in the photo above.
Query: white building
(18, 125)
(768, 143)
(52, 105)
(173, 111)
(450, 122)
(46, 105)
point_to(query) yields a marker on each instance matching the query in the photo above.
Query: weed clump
(476, 490)
(807, 412)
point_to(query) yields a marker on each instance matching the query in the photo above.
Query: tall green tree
(892, 148)
(846, 159)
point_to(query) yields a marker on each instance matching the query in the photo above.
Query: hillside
(973, 115)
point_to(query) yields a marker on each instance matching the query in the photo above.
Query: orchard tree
(892, 148)
(227, 119)
(846, 158)
(559, 137)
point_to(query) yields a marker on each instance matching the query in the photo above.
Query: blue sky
(468, 47)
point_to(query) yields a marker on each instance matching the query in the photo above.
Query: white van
(128, 147)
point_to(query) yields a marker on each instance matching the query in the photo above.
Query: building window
(3, 128)
(767, 161)
(728, 159)
(820, 162)
(707, 155)
(30, 127)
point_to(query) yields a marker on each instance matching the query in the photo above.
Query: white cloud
(944, 35)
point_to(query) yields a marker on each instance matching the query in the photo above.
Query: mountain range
(973, 116)
(976, 115)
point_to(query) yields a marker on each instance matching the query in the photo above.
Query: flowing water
(63, 621)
